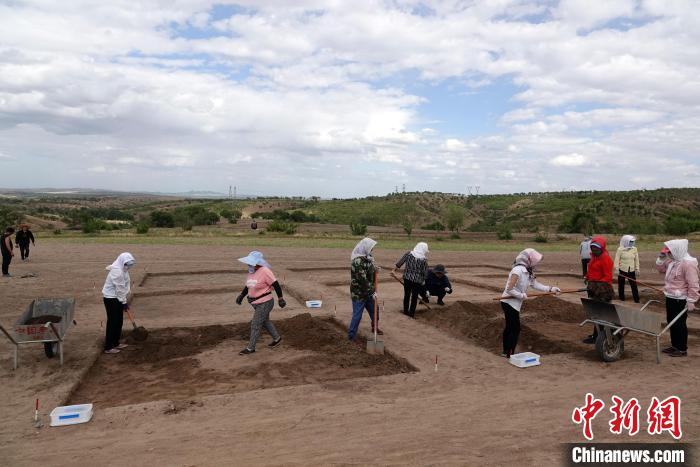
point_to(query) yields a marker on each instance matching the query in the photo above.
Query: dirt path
(475, 410)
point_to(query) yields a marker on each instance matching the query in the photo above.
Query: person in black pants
(437, 284)
(679, 330)
(413, 276)
(23, 237)
(115, 295)
(6, 249)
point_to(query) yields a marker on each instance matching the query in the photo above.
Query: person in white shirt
(115, 295)
(584, 251)
(521, 277)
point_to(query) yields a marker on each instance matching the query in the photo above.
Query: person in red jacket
(599, 278)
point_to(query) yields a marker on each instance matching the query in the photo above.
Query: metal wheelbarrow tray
(49, 333)
(614, 322)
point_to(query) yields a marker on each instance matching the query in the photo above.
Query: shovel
(420, 300)
(139, 333)
(375, 346)
(535, 295)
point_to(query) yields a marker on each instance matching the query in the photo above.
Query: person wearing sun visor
(258, 287)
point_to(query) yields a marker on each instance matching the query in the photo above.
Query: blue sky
(313, 98)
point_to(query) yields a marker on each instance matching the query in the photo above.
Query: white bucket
(71, 414)
(524, 359)
(313, 303)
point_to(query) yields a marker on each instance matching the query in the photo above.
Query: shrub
(142, 228)
(407, 225)
(454, 217)
(162, 219)
(92, 225)
(358, 229)
(189, 216)
(504, 233)
(542, 237)
(288, 228)
(437, 225)
(455, 236)
(9, 218)
(232, 215)
(57, 232)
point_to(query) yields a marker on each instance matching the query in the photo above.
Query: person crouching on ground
(115, 295)
(437, 284)
(681, 290)
(627, 265)
(599, 278)
(521, 277)
(362, 285)
(258, 288)
(413, 276)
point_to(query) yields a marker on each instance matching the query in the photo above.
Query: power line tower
(403, 186)
(234, 192)
(477, 190)
(229, 192)
(469, 190)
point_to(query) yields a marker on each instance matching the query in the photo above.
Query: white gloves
(375, 296)
(691, 306)
(556, 290)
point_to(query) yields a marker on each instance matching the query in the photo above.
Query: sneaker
(589, 340)
(505, 355)
(122, 346)
(440, 302)
(275, 343)
(7, 275)
(669, 349)
(112, 351)
(246, 351)
(679, 353)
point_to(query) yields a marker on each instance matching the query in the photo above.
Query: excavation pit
(186, 362)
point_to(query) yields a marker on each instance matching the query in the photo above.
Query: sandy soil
(475, 410)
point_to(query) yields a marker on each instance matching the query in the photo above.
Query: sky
(347, 99)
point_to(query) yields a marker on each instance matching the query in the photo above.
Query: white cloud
(569, 160)
(315, 85)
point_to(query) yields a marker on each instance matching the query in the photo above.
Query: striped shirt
(415, 270)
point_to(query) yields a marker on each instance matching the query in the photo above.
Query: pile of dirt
(483, 324)
(182, 363)
(43, 319)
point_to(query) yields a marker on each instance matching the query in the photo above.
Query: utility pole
(404, 188)
(234, 192)
(477, 190)
(469, 189)
(229, 192)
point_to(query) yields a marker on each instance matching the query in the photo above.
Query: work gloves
(448, 290)
(281, 302)
(239, 299)
(556, 290)
(691, 306)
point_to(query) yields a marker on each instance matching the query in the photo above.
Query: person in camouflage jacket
(362, 285)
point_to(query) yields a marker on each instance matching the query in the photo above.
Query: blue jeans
(357, 308)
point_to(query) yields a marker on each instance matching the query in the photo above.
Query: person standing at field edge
(362, 285)
(6, 249)
(521, 277)
(258, 288)
(599, 278)
(23, 237)
(681, 290)
(584, 251)
(416, 262)
(627, 265)
(115, 293)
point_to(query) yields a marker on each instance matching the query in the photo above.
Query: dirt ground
(304, 403)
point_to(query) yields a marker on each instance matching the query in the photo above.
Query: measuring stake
(36, 411)
(436, 363)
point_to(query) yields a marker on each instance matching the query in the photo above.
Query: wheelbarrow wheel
(50, 349)
(609, 346)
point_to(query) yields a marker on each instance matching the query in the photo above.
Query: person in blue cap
(258, 287)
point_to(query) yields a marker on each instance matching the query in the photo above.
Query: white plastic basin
(524, 359)
(71, 414)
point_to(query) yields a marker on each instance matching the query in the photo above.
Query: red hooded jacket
(601, 267)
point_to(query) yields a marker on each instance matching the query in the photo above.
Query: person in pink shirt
(681, 289)
(258, 287)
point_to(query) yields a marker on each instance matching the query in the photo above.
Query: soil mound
(43, 319)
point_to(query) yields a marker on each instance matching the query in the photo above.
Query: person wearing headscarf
(362, 285)
(599, 278)
(681, 290)
(627, 265)
(23, 237)
(115, 295)
(416, 262)
(584, 251)
(521, 277)
(258, 287)
(437, 283)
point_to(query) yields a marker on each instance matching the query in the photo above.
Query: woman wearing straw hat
(258, 288)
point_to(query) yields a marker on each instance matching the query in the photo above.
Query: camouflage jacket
(361, 279)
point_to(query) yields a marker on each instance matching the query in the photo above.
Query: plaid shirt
(415, 270)
(361, 279)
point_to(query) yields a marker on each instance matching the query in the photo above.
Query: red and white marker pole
(36, 411)
(436, 360)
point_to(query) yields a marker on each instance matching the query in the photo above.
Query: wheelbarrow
(45, 321)
(614, 322)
